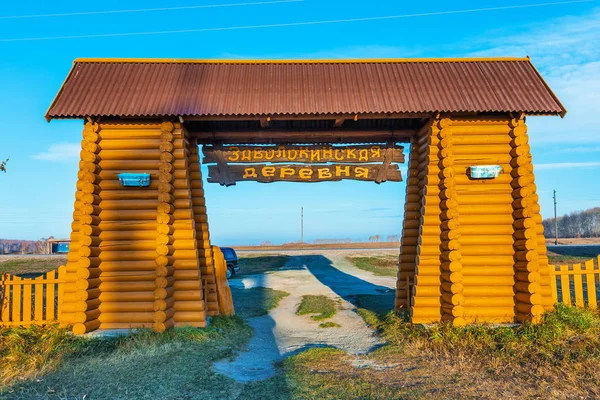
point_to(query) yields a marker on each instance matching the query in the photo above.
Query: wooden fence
(25, 301)
(576, 284)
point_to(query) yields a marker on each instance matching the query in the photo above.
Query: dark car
(231, 259)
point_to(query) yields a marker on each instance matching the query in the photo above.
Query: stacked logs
(426, 300)
(530, 252)
(481, 255)
(484, 207)
(410, 231)
(163, 292)
(129, 226)
(189, 303)
(451, 266)
(81, 290)
(137, 253)
(201, 223)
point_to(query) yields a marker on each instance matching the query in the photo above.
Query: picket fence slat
(26, 301)
(590, 280)
(553, 283)
(16, 300)
(39, 303)
(565, 285)
(27, 294)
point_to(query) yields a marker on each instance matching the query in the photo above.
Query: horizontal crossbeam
(289, 136)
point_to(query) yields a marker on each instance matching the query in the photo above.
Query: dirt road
(282, 333)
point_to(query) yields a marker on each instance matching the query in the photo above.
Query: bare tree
(3, 165)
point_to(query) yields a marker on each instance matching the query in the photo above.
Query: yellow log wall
(135, 258)
(480, 251)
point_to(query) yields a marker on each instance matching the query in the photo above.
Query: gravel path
(282, 333)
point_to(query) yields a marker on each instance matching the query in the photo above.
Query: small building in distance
(58, 246)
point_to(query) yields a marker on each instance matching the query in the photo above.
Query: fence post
(590, 279)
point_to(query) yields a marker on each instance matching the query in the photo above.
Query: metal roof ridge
(298, 61)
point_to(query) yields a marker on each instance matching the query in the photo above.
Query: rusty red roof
(156, 88)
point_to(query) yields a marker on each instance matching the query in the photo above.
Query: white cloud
(566, 53)
(562, 165)
(60, 152)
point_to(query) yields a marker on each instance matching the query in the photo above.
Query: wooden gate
(26, 301)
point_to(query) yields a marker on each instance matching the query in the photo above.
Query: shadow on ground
(359, 292)
(591, 251)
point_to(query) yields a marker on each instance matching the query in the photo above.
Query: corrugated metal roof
(155, 88)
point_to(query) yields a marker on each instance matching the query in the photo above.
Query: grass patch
(384, 265)
(50, 362)
(259, 264)
(558, 259)
(255, 302)
(329, 325)
(31, 265)
(559, 358)
(320, 305)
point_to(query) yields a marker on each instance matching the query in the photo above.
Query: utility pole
(301, 224)
(555, 222)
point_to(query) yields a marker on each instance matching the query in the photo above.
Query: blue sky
(37, 193)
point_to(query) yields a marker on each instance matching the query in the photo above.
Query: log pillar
(473, 249)
(135, 259)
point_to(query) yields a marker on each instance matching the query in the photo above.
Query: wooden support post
(474, 246)
(136, 257)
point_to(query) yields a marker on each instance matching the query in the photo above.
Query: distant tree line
(8, 246)
(583, 224)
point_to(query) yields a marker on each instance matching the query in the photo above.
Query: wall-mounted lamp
(484, 171)
(134, 179)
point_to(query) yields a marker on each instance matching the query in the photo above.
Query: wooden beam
(304, 137)
(289, 117)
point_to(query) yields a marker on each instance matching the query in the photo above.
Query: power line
(336, 21)
(82, 13)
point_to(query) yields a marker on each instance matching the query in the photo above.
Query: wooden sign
(302, 154)
(305, 173)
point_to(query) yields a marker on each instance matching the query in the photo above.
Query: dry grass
(51, 363)
(559, 358)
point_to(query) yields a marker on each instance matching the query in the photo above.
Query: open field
(362, 350)
(325, 246)
(19, 264)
